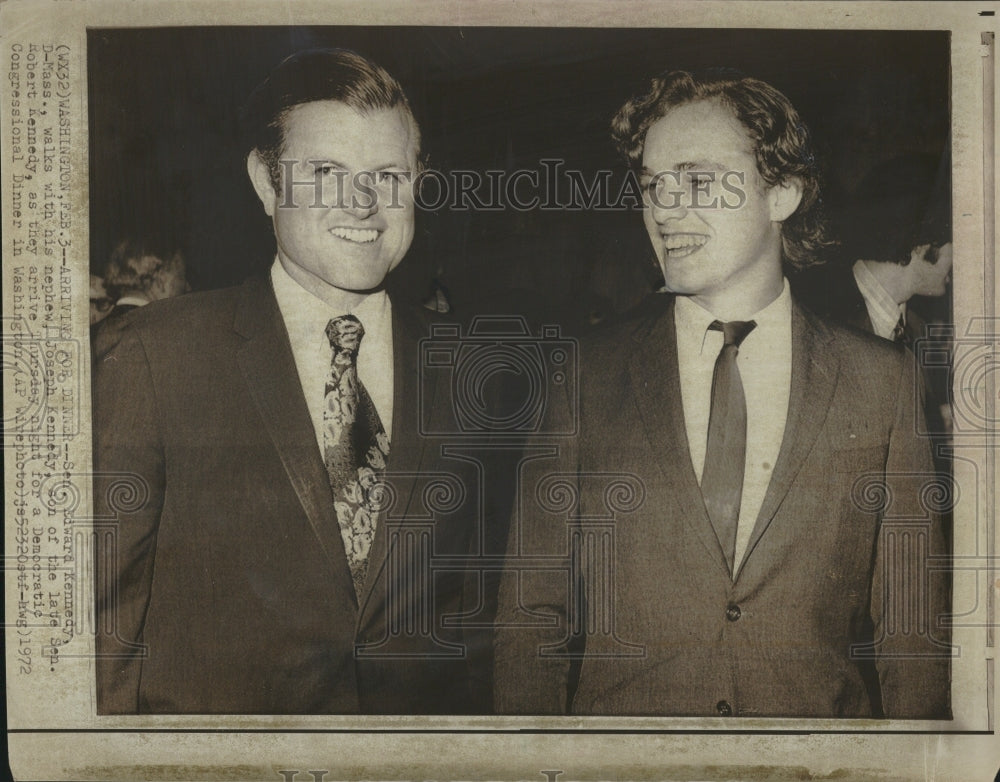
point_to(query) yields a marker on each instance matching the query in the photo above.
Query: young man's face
(348, 219)
(710, 237)
(930, 278)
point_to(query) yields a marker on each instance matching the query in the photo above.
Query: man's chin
(361, 281)
(362, 287)
(678, 287)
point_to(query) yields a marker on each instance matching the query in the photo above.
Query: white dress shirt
(883, 310)
(306, 317)
(765, 364)
(131, 301)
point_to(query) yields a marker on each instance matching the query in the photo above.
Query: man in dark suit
(277, 516)
(741, 525)
(895, 246)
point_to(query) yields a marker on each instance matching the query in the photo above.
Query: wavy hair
(780, 139)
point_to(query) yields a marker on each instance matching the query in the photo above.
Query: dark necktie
(355, 446)
(725, 455)
(899, 331)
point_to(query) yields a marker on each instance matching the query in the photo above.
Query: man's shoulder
(188, 320)
(617, 337)
(856, 348)
(194, 310)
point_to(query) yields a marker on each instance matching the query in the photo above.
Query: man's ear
(260, 177)
(784, 199)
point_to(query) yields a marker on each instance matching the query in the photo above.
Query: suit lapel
(814, 378)
(412, 389)
(655, 379)
(268, 366)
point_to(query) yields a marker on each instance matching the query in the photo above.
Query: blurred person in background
(100, 302)
(894, 269)
(142, 270)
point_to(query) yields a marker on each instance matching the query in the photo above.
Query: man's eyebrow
(323, 161)
(700, 165)
(336, 163)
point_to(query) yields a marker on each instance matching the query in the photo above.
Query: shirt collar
(132, 301)
(776, 315)
(692, 320)
(306, 315)
(883, 310)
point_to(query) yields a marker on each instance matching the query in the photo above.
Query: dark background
(164, 105)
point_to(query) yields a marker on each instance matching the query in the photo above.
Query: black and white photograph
(598, 388)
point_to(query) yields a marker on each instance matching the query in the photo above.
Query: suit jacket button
(733, 613)
(724, 709)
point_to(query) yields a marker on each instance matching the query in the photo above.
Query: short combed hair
(780, 139)
(316, 75)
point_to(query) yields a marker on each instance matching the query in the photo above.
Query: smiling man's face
(711, 237)
(348, 219)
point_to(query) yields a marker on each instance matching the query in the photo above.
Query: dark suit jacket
(617, 598)
(223, 586)
(832, 292)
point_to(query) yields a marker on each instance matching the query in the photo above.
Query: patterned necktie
(725, 455)
(355, 446)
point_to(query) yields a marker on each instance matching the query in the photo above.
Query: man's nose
(668, 203)
(359, 197)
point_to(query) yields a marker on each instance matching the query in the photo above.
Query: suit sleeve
(911, 581)
(128, 498)
(532, 664)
